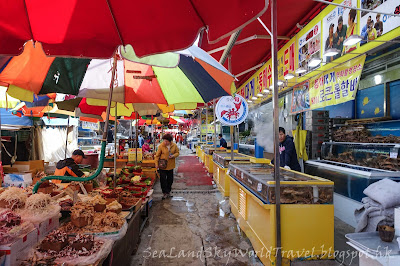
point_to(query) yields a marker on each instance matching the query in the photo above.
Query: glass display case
(88, 138)
(296, 187)
(354, 166)
(223, 158)
(211, 150)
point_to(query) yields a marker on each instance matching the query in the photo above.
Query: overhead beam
(229, 46)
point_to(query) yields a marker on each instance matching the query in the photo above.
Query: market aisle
(194, 227)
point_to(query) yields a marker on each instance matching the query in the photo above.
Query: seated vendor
(69, 166)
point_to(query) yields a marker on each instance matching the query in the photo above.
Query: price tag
(228, 171)
(393, 153)
(241, 175)
(249, 180)
(259, 187)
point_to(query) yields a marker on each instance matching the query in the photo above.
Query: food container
(386, 233)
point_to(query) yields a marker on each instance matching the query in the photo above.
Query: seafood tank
(296, 187)
(354, 166)
(223, 158)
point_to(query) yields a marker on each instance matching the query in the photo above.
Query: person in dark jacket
(69, 166)
(222, 142)
(287, 150)
(110, 134)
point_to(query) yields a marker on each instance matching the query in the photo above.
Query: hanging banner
(373, 25)
(336, 86)
(310, 45)
(300, 97)
(90, 125)
(262, 79)
(232, 111)
(338, 25)
(204, 129)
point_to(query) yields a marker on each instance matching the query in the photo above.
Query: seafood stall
(208, 157)
(221, 162)
(306, 209)
(353, 162)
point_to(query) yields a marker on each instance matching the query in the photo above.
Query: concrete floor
(195, 227)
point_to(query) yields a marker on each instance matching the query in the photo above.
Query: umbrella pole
(137, 139)
(206, 125)
(215, 126)
(115, 147)
(66, 140)
(103, 145)
(274, 45)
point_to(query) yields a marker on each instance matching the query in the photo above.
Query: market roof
(251, 53)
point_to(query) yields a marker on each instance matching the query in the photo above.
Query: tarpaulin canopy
(254, 45)
(8, 119)
(95, 28)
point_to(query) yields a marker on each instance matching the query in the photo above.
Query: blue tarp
(7, 118)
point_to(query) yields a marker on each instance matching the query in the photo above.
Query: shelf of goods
(208, 157)
(307, 212)
(221, 161)
(354, 166)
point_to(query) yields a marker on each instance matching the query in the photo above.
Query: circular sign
(232, 111)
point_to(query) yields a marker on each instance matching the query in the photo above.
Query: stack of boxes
(317, 125)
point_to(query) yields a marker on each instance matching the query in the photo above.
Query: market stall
(221, 162)
(306, 199)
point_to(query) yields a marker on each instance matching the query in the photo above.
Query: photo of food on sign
(231, 110)
(374, 25)
(339, 25)
(310, 45)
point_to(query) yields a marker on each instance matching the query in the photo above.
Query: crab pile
(362, 135)
(381, 161)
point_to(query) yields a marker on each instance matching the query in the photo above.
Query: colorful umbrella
(198, 78)
(93, 28)
(6, 101)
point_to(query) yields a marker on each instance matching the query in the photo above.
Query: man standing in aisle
(141, 140)
(69, 166)
(287, 150)
(222, 142)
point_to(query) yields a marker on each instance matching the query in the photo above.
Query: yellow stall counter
(307, 230)
(220, 163)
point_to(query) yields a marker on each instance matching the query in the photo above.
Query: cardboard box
(18, 250)
(17, 180)
(47, 226)
(30, 166)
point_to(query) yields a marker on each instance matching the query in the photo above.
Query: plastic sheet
(116, 235)
(103, 252)
(39, 216)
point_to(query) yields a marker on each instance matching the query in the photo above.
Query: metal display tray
(296, 188)
(223, 158)
(371, 243)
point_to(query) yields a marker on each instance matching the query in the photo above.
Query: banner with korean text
(336, 86)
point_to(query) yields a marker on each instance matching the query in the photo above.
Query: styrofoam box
(18, 250)
(47, 226)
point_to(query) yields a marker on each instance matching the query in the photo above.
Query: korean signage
(300, 97)
(132, 154)
(338, 25)
(373, 25)
(336, 86)
(232, 111)
(310, 45)
(204, 129)
(262, 79)
(90, 125)
(328, 30)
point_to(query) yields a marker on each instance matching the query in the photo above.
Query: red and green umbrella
(197, 78)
